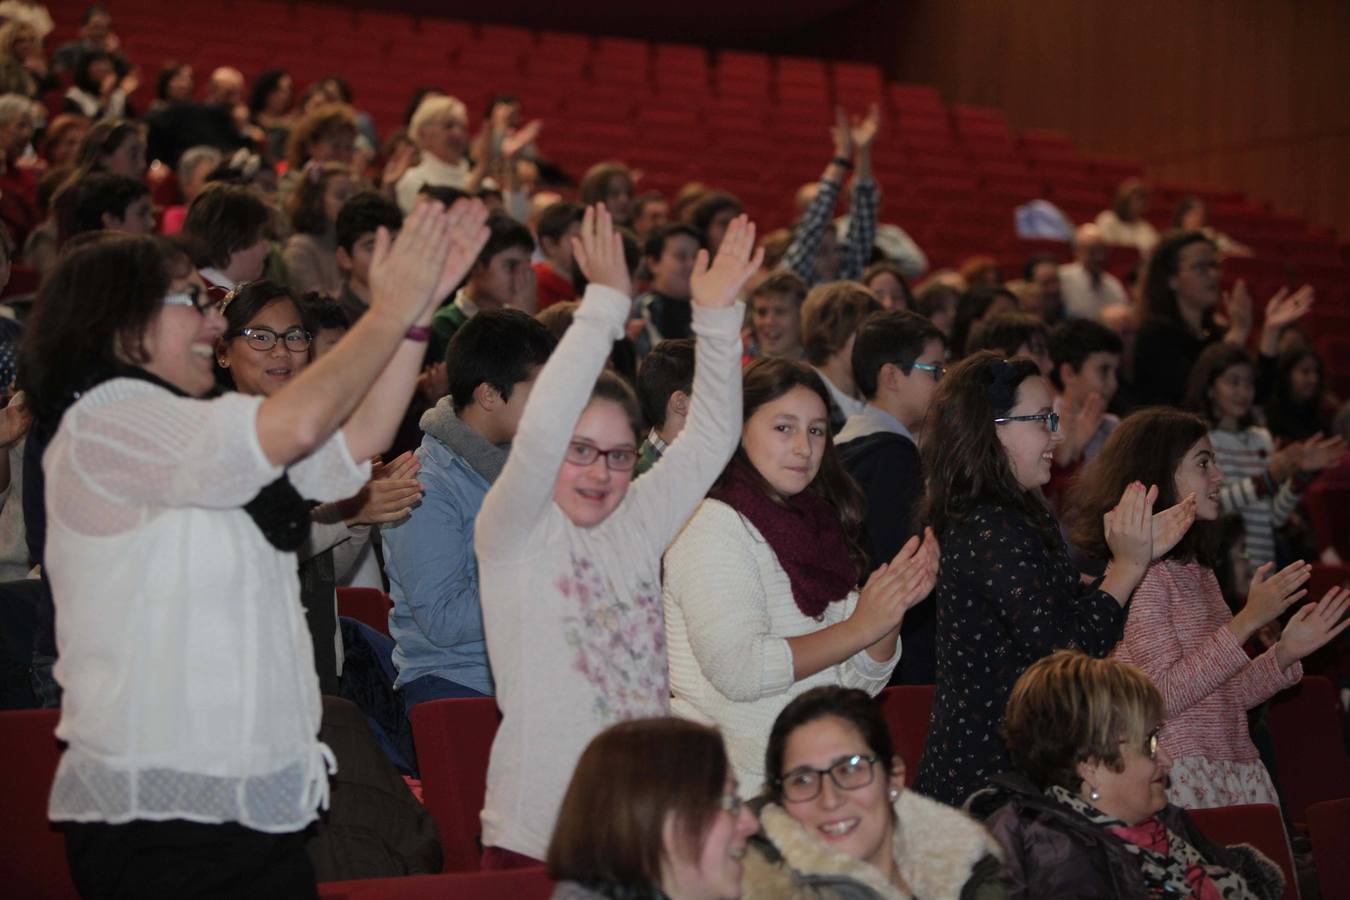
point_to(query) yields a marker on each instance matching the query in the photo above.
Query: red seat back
(1258, 824)
(32, 852)
(518, 884)
(1329, 827)
(907, 708)
(1306, 724)
(366, 605)
(454, 741)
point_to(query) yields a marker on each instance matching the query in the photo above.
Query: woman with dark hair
(269, 107)
(612, 184)
(1007, 593)
(191, 706)
(1124, 222)
(760, 588)
(1180, 632)
(652, 812)
(1085, 814)
(98, 91)
(175, 83)
(840, 823)
(887, 280)
(311, 250)
(112, 145)
(1191, 216)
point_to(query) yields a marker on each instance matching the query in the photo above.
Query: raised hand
(716, 286)
(841, 132)
(403, 270)
(521, 138)
(1079, 425)
(1270, 595)
(1285, 308)
(400, 161)
(895, 587)
(390, 494)
(1313, 627)
(1237, 305)
(598, 250)
(1129, 527)
(863, 131)
(1320, 452)
(468, 235)
(1171, 525)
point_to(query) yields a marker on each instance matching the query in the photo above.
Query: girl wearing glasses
(761, 587)
(1085, 813)
(1007, 593)
(839, 822)
(569, 557)
(191, 708)
(652, 812)
(1181, 633)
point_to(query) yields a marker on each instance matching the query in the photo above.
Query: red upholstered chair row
(454, 742)
(1307, 724)
(1329, 828)
(907, 709)
(368, 606)
(32, 852)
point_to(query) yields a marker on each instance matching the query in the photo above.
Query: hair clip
(1003, 380)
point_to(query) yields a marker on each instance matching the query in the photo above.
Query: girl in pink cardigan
(1180, 631)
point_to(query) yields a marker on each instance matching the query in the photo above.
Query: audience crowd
(683, 496)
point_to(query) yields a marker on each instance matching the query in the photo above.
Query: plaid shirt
(862, 231)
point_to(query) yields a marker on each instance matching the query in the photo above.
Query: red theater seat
(366, 605)
(520, 884)
(908, 708)
(1258, 824)
(32, 852)
(1307, 724)
(454, 742)
(1329, 828)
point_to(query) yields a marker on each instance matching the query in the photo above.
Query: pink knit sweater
(1175, 631)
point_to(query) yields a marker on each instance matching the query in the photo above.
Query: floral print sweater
(572, 616)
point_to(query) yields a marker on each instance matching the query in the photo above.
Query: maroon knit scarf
(805, 536)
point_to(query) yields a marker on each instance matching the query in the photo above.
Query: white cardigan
(729, 611)
(189, 681)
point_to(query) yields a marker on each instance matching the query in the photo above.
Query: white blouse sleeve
(330, 473)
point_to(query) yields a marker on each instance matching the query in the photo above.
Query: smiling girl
(1181, 633)
(569, 557)
(1007, 594)
(760, 588)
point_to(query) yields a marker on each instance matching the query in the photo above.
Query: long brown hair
(963, 458)
(764, 381)
(609, 832)
(1146, 447)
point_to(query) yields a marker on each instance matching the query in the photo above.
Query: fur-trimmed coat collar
(939, 851)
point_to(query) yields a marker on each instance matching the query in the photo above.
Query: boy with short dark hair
(228, 226)
(498, 280)
(897, 359)
(555, 273)
(1085, 359)
(776, 315)
(664, 382)
(437, 621)
(104, 201)
(669, 253)
(357, 223)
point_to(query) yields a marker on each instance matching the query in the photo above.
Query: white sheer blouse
(189, 681)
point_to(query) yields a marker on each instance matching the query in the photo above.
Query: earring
(1094, 795)
(894, 794)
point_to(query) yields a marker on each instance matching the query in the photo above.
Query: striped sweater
(1244, 457)
(1176, 632)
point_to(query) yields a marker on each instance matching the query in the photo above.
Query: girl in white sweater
(569, 557)
(760, 588)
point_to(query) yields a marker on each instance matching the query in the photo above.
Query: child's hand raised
(716, 286)
(1313, 627)
(598, 250)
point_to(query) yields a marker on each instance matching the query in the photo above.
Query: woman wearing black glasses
(191, 708)
(1007, 593)
(1085, 813)
(839, 822)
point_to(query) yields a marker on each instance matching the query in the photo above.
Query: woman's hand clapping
(896, 586)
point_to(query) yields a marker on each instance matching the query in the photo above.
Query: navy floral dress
(1004, 600)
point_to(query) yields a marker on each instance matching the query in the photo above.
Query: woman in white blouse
(191, 706)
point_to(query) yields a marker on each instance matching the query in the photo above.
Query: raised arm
(664, 498)
(862, 207)
(406, 275)
(806, 236)
(561, 390)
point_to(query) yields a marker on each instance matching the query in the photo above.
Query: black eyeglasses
(1051, 420)
(192, 296)
(618, 459)
(936, 370)
(848, 774)
(261, 338)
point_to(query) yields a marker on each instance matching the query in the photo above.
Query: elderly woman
(1086, 813)
(840, 824)
(440, 129)
(652, 812)
(18, 184)
(191, 707)
(1124, 223)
